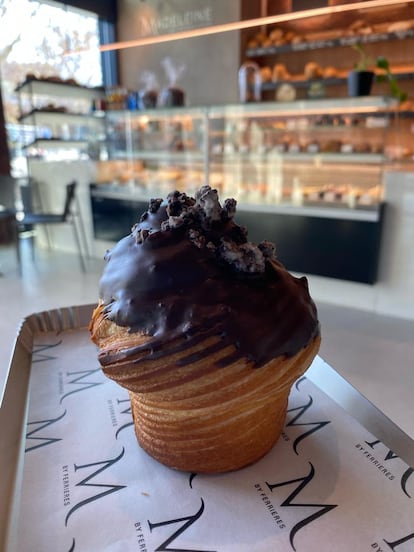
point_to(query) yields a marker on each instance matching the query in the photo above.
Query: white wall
(396, 286)
(211, 62)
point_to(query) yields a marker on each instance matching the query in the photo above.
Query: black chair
(69, 215)
(8, 224)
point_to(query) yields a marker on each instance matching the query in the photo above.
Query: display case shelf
(56, 88)
(317, 159)
(57, 143)
(180, 157)
(48, 117)
(299, 82)
(58, 121)
(306, 45)
(364, 105)
(318, 211)
(133, 192)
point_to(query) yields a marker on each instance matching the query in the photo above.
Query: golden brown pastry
(266, 74)
(313, 70)
(280, 72)
(298, 39)
(363, 147)
(354, 28)
(400, 26)
(267, 43)
(332, 146)
(206, 330)
(261, 37)
(253, 43)
(276, 35)
(330, 72)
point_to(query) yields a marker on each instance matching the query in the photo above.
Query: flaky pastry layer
(193, 411)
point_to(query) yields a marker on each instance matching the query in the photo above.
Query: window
(40, 45)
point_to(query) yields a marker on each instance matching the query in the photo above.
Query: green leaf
(382, 63)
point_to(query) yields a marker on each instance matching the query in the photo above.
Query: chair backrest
(26, 197)
(70, 198)
(8, 188)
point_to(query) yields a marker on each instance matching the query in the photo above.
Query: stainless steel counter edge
(369, 215)
(361, 409)
(14, 408)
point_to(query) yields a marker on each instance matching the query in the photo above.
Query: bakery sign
(157, 18)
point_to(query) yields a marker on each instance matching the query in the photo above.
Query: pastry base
(229, 426)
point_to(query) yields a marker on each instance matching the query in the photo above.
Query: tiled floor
(372, 352)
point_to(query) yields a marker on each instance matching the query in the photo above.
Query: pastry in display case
(314, 47)
(294, 154)
(327, 153)
(153, 151)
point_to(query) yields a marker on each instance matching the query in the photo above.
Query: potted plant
(387, 76)
(360, 79)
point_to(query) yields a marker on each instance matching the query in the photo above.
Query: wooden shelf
(332, 43)
(299, 82)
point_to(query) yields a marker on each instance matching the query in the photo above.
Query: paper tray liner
(328, 484)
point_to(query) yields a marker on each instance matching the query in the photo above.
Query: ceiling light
(249, 23)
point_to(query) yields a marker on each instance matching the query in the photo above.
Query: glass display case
(307, 175)
(323, 155)
(155, 151)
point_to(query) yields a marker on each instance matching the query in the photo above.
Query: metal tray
(14, 418)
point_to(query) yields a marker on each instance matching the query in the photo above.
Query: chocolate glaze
(187, 269)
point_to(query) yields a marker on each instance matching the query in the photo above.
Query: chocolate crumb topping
(188, 267)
